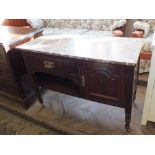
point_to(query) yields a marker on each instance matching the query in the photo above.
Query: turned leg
(39, 95)
(127, 119)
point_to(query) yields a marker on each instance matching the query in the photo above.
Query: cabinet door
(104, 83)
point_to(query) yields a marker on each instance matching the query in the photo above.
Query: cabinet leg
(127, 119)
(39, 95)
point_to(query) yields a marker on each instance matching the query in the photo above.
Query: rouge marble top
(106, 49)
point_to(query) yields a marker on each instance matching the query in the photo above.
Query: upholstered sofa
(144, 29)
(99, 27)
(108, 27)
(146, 54)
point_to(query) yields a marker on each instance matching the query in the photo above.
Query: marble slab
(54, 31)
(147, 41)
(98, 33)
(105, 49)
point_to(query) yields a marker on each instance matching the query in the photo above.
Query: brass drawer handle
(49, 64)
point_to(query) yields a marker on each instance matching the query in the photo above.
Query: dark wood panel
(104, 82)
(5, 71)
(98, 81)
(2, 55)
(51, 64)
(9, 87)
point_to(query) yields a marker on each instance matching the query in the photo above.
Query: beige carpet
(70, 115)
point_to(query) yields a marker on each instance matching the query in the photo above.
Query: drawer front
(5, 71)
(2, 55)
(51, 64)
(9, 87)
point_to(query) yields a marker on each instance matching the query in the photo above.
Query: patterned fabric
(151, 22)
(119, 23)
(143, 26)
(148, 42)
(144, 66)
(36, 23)
(91, 24)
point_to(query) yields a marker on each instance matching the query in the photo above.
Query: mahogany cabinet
(97, 69)
(106, 83)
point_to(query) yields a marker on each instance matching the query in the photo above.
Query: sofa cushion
(118, 24)
(36, 23)
(138, 34)
(142, 26)
(117, 33)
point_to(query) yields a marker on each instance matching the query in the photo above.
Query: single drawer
(2, 55)
(5, 71)
(50, 64)
(9, 87)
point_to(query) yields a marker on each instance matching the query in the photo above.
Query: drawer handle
(49, 64)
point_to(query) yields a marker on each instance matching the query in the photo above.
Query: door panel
(105, 83)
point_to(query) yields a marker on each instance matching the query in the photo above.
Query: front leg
(37, 90)
(127, 119)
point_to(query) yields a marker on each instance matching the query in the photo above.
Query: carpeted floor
(63, 114)
(11, 124)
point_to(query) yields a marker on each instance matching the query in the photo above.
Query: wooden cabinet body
(8, 84)
(13, 82)
(104, 82)
(107, 83)
(98, 81)
(97, 69)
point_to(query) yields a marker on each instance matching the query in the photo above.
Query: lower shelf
(57, 83)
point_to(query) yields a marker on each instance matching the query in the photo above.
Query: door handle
(49, 64)
(83, 81)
